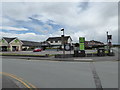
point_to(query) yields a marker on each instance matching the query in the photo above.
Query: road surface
(60, 74)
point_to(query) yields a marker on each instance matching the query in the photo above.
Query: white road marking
(84, 59)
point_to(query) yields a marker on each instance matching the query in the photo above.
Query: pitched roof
(9, 39)
(57, 38)
(30, 43)
(96, 41)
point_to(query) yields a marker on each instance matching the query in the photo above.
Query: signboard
(67, 47)
(82, 43)
(109, 36)
(81, 39)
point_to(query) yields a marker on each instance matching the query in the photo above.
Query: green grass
(15, 54)
(97, 52)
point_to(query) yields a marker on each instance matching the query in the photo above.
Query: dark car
(37, 50)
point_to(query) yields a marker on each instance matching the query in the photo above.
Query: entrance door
(14, 48)
(4, 48)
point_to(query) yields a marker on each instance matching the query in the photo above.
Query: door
(14, 48)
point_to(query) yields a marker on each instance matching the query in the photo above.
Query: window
(56, 41)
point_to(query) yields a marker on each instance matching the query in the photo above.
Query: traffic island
(99, 54)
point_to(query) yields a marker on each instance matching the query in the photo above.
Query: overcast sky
(37, 21)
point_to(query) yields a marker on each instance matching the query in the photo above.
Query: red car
(37, 50)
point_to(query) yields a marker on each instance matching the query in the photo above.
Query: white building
(57, 41)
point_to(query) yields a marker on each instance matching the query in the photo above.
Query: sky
(36, 21)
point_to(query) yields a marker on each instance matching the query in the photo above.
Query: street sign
(82, 43)
(67, 47)
(109, 36)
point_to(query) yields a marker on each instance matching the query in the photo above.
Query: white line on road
(84, 59)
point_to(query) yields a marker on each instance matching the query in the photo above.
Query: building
(10, 44)
(14, 44)
(57, 41)
(93, 43)
(30, 45)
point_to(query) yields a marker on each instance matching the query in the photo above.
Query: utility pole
(63, 42)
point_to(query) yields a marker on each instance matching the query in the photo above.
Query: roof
(30, 43)
(94, 41)
(8, 39)
(58, 38)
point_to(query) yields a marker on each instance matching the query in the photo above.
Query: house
(93, 43)
(57, 41)
(90, 44)
(10, 44)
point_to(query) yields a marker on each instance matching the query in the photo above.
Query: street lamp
(107, 40)
(63, 42)
(109, 37)
(62, 29)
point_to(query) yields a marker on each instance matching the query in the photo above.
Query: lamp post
(63, 42)
(109, 37)
(107, 40)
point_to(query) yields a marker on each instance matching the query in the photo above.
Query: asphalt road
(56, 74)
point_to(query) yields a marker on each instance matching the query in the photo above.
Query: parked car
(37, 50)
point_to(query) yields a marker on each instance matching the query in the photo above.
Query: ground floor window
(3, 48)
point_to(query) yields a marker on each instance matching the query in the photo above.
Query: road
(60, 74)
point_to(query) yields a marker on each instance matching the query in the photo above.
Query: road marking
(96, 77)
(83, 59)
(25, 83)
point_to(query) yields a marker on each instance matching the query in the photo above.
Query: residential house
(57, 41)
(93, 43)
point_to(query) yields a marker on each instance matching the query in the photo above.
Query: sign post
(109, 43)
(82, 43)
(82, 46)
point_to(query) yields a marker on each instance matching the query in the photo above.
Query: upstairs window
(56, 41)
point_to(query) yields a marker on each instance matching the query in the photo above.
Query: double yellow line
(25, 83)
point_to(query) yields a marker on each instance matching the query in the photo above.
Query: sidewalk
(74, 59)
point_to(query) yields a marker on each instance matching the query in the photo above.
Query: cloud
(13, 28)
(91, 19)
(25, 36)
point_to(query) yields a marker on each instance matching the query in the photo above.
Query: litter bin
(82, 53)
(101, 52)
(76, 53)
(79, 53)
(111, 53)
